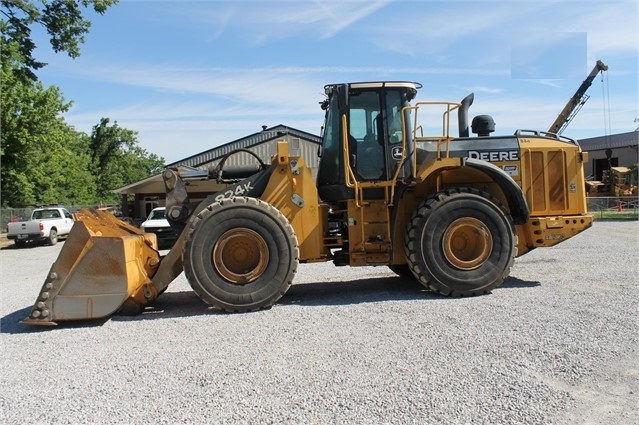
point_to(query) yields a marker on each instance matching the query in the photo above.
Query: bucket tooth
(103, 265)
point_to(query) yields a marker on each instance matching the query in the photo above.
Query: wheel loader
(394, 188)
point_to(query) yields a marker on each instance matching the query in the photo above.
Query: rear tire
(460, 242)
(53, 237)
(241, 254)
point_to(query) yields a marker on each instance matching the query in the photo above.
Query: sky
(188, 76)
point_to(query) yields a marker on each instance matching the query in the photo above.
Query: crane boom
(576, 101)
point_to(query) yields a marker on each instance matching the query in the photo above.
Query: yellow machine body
(441, 208)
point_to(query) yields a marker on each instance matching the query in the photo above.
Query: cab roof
(377, 84)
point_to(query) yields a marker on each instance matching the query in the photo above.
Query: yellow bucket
(105, 266)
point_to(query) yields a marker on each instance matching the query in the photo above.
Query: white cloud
(452, 47)
(482, 89)
(266, 21)
(611, 27)
(340, 15)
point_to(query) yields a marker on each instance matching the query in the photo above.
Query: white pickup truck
(46, 224)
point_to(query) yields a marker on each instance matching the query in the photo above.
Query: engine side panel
(548, 171)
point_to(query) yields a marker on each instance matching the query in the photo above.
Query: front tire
(460, 242)
(402, 270)
(241, 254)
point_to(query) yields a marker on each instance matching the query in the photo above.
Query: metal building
(149, 193)
(616, 150)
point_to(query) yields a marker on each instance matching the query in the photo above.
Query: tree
(63, 21)
(43, 160)
(117, 159)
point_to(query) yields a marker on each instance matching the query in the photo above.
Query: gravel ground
(556, 344)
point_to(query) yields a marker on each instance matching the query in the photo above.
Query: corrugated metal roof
(612, 141)
(274, 133)
(263, 144)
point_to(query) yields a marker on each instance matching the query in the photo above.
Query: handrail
(443, 151)
(442, 139)
(538, 133)
(349, 176)
(400, 164)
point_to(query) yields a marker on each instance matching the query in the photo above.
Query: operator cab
(369, 121)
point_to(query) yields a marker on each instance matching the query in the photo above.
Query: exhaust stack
(462, 115)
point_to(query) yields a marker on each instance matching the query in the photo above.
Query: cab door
(366, 136)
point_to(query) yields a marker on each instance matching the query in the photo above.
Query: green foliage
(63, 21)
(36, 144)
(43, 159)
(117, 159)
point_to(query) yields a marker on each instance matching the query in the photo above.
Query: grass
(616, 215)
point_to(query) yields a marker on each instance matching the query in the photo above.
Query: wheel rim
(467, 243)
(240, 255)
